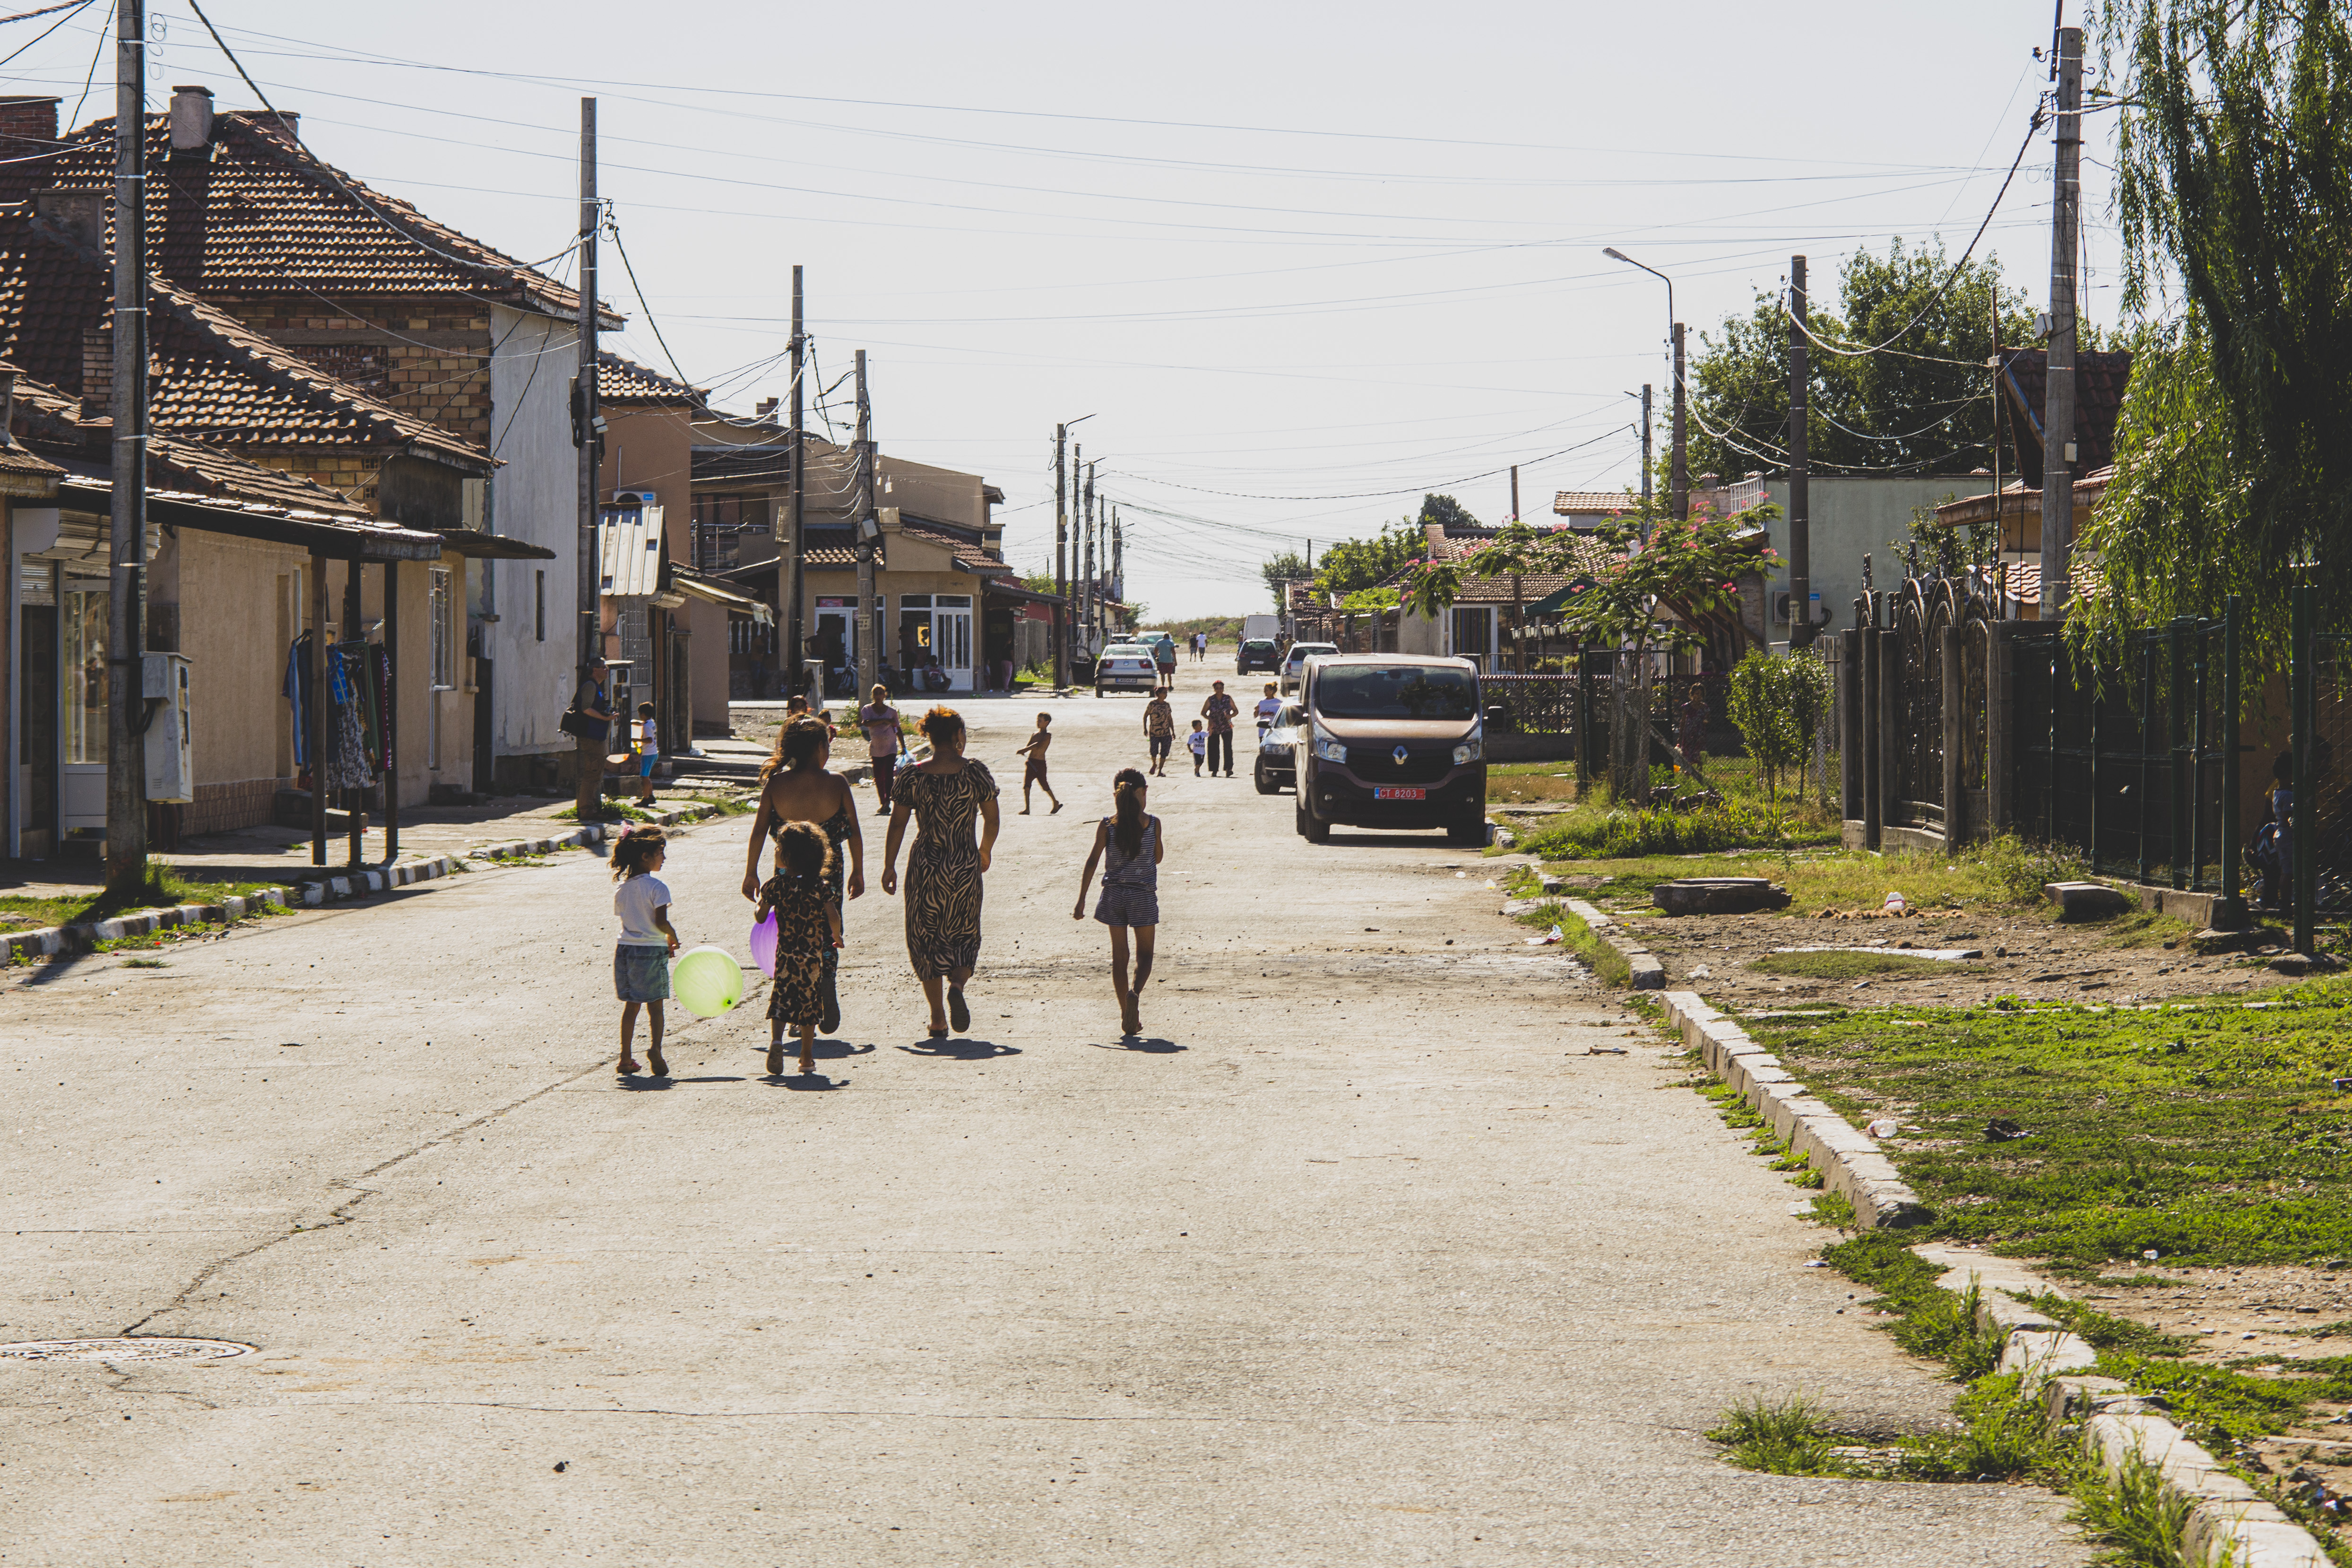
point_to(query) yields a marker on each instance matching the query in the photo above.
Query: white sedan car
(1126, 666)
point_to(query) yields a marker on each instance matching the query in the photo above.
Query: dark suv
(1392, 740)
(1257, 654)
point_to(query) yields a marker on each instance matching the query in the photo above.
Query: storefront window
(85, 662)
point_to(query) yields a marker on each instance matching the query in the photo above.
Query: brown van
(1392, 740)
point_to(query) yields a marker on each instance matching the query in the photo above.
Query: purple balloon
(764, 945)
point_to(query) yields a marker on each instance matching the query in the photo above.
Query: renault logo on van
(1399, 754)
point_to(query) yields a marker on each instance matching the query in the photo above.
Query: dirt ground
(2025, 954)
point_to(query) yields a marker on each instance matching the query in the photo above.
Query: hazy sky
(1300, 263)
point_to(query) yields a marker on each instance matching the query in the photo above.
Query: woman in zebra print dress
(945, 866)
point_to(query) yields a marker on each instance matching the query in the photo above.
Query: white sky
(1301, 263)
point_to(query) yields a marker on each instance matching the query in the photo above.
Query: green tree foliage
(1757, 697)
(1354, 563)
(2233, 457)
(1445, 511)
(1928, 415)
(1289, 566)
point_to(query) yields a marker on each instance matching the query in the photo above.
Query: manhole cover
(125, 1347)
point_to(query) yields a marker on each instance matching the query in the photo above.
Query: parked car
(1258, 653)
(1389, 739)
(1294, 663)
(1277, 761)
(1126, 666)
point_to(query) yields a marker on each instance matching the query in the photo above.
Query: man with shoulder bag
(589, 722)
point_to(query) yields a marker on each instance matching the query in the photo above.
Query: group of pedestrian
(807, 821)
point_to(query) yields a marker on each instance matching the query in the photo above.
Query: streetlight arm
(1614, 254)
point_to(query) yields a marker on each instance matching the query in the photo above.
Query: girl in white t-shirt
(641, 961)
(649, 753)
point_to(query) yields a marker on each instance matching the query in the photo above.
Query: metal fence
(2131, 758)
(2320, 819)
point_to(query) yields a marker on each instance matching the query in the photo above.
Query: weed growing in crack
(2002, 1436)
(2135, 1516)
(1784, 1436)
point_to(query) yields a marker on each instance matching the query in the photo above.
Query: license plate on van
(1381, 793)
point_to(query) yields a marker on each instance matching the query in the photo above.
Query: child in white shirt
(649, 753)
(641, 960)
(1198, 741)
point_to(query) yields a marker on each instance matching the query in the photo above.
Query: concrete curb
(50, 940)
(1850, 1163)
(1648, 973)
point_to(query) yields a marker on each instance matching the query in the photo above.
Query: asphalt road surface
(1357, 1257)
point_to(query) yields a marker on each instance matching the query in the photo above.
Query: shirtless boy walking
(1033, 776)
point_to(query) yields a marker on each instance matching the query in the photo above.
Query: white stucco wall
(1853, 517)
(535, 497)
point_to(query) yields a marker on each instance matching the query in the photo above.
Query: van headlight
(1470, 751)
(1328, 746)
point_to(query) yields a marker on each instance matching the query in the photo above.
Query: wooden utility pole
(788, 614)
(588, 800)
(1647, 421)
(1061, 558)
(126, 710)
(2058, 454)
(1801, 495)
(1091, 589)
(1515, 492)
(868, 630)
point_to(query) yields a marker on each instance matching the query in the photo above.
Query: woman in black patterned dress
(945, 866)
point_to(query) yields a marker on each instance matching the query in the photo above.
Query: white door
(81, 766)
(951, 636)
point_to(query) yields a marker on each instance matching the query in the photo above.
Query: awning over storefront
(345, 539)
(1009, 588)
(694, 585)
(478, 546)
(629, 553)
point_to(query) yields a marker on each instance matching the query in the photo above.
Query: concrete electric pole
(792, 585)
(1800, 500)
(588, 799)
(868, 629)
(126, 629)
(1061, 558)
(1680, 495)
(2058, 454)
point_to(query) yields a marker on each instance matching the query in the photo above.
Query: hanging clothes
(347, 721)
(297, 691)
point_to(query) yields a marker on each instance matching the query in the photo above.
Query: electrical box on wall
(171, 760)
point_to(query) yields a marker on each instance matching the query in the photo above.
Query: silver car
(1294, 663)
(1278, 758)
(1127, 667)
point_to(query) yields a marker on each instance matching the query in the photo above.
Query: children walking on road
(641, 961)
(1198, 741)
(808, 926)
(1035, 774)
(1129, 846)
(649, 753)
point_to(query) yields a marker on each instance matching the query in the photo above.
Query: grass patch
(163, 887)
(2135, 1516)
(1783, 1437)
(2208, 1133)
(624, 810)
(1855, 965)
(144, 963)
(1579, 939)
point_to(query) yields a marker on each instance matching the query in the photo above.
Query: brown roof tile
(2100, 379)
(1564, 502)
(257, 215)
(972, 555)
(621, 381)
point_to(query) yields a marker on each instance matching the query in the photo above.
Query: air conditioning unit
(1780, 609)
(635, 497)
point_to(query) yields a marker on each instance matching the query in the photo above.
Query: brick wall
(428, 358)
(220, 808)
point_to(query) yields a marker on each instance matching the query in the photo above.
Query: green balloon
(707, 982)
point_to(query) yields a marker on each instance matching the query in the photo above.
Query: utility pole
(1647, 421)
(126, 712)
(1061, 559)
(795, 583)
(1680, 494)
(588, 800)
(868, 629)
(1117, 558)
(1088, 590)
(2058, 454)
(1515, 492)
(1800, 496)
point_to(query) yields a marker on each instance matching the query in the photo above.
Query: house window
(437, 619)
(539, 603)
(719, 523)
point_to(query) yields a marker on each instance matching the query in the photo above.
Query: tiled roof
(2099, 382)
(972, 555)
(2021, 500)
(191, 469)
(1306, 597)
(625, 381)
(255, 214)
(2022, 582)
(215, 379)
(212, 378)
(1564, 502)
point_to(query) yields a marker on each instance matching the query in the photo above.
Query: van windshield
(1408, 692)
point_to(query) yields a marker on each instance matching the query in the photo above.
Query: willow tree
(2234, 455)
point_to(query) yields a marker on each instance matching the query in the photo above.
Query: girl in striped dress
(1129, 846)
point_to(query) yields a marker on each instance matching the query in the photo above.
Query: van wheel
(1311, 830)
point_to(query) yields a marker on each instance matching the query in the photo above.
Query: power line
(1376, 495)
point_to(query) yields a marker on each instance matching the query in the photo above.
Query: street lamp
(1062, 626)
(1680, 493)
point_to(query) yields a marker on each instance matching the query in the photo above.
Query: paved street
(1358, 1257)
